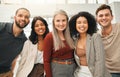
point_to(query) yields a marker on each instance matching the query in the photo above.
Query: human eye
(78, 22)
(57, 20)
(19, 15)
(36, 25)
(100, 15)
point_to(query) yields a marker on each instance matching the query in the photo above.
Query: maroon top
(49, 53)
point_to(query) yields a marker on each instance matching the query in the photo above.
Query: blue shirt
(10, 46)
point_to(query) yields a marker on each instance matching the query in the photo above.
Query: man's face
(104, 17)
(22, 18)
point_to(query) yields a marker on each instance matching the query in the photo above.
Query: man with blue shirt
(12, 38)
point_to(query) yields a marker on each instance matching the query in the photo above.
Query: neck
(82, 41)
(40, 43)
(83, 36)
(16, 30)
(106, 30)
(40, 38)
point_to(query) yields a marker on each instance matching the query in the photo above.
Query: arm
(14, 63)
(100, 56)
(23, 56)
(47, 48)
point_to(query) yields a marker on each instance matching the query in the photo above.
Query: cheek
(98, 20)
(35, 28)
(86, 28)
(44, 28)
(28, 21)
(55, 24)
(77, 27)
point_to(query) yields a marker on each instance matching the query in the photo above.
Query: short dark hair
(33, 36)
(22, 9)
(92, 25)
(102, 7)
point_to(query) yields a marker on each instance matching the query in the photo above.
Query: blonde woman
(59, 48)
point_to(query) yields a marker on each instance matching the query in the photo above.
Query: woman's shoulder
(49, 35)
(29, 43)
(95, 36)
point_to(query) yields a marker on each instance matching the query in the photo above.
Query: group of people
(75, 47)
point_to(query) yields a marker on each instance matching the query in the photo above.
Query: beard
(18, 25)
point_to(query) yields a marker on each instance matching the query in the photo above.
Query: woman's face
(82, 25)
(60, 22)
(40, 27)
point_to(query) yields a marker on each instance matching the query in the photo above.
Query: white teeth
(40, 30)
(82, 28)
(104, 21)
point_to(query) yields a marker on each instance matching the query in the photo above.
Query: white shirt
(39, 58)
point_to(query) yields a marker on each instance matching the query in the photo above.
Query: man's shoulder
(4, 25)
(116, 27)
(116, 24)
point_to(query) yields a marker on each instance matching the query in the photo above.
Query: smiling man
(111, 38)
(12, 38)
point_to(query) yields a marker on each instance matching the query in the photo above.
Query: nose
(61, 23)
(82, 24)
(104, 17)
(23, 18)
(40, 26)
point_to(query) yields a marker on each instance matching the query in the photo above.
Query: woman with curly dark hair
(31, 62)
(89, 51)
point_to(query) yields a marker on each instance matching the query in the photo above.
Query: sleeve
(47, 55)
(23, 56)
(100, 56)
(118, 27)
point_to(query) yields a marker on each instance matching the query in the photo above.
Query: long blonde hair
(58, 43)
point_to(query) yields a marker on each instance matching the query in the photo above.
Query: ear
(14, 17)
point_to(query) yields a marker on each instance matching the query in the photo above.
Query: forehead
(104, 11)
(23, 11)
(81, 18)
(60, 16)
(38, 22)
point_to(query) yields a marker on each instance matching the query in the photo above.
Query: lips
(22, 23)
(104, 21)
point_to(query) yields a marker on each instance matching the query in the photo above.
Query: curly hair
(33, 36)
(92, 25)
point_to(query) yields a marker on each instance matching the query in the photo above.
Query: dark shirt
(10, 46)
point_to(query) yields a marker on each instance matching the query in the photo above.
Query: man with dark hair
(111, 38)
(12, 38)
